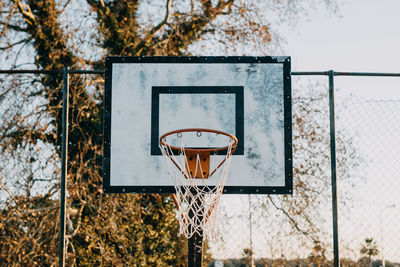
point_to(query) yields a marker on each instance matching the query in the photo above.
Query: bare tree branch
(14, 44)
(26, 12)
(147, 40)
(2, 185)
(13, 27)
(293, 221)
(164, 21)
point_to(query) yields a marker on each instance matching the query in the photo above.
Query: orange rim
(200, 130)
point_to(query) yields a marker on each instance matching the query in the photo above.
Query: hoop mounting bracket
(198, 164)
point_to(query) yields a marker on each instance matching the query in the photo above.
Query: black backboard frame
(287, 102)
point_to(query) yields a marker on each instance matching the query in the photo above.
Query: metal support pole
(333, 168)
(64, 164)
(195, 242)
(251, 233)
(382, 243)
(195, 250)
(381, 228)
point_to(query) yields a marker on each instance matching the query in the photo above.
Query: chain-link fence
(370, 208)
(259, 230)
(368, 155)
(29, 172)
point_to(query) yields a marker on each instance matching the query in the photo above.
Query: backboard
(249, 97)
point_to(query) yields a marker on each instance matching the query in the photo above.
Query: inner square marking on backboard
(238, 116)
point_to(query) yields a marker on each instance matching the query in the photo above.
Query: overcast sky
(364, 37)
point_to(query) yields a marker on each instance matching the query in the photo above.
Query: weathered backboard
(249, 97)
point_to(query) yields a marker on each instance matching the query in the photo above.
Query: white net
(199, 176)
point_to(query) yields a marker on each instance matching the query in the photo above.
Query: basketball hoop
(199, 175)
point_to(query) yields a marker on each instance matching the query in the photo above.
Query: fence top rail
(295, 73)
(341, 73)
(56, 71)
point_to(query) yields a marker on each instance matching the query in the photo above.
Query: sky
(363, 37)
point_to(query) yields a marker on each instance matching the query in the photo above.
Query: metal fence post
(333, 168)
(64, 164)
